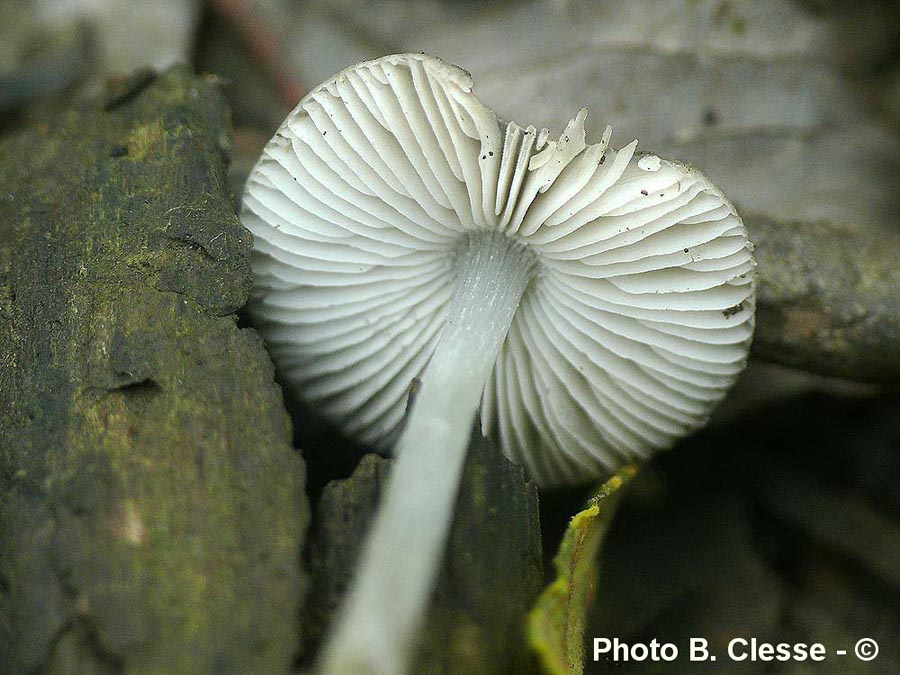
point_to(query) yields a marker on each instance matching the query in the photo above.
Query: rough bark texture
(151, 506)
(491, 575)
(829, 299)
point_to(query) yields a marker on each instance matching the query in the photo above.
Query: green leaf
(556, 623)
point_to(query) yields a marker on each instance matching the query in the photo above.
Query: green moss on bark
(152, 508)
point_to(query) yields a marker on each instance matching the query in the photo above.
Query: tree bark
(828, 299)
(491, 573)
(152, 509)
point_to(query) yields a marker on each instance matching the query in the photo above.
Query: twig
(263, 44)
(829, 299)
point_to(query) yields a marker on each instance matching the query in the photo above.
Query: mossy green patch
(152, 510)
(142, 140)
(739, 26)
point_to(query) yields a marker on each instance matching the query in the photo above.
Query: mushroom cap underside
(636, 322)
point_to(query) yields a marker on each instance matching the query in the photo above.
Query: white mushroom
(595, 305)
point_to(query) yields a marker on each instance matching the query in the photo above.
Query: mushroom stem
(377, 629)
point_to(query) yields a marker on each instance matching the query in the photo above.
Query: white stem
(377, 630)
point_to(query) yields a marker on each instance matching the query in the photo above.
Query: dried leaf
(556, 623)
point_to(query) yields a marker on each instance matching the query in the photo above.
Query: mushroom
(594, 304)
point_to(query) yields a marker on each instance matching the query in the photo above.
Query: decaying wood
(829, 299)
(491, 574)
(152, 508)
